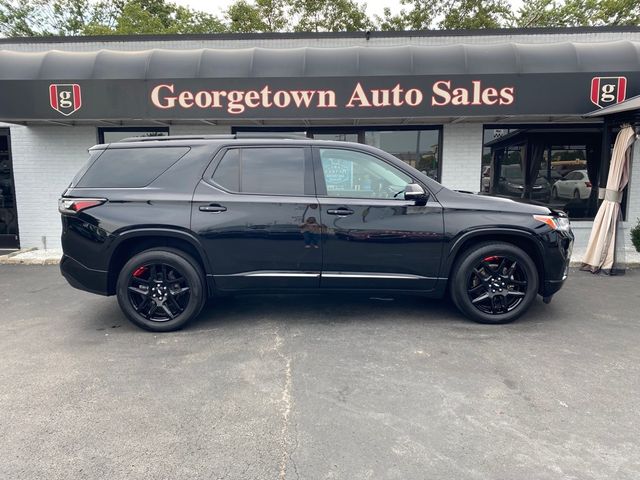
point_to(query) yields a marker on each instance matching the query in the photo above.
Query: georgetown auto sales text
(442, 93)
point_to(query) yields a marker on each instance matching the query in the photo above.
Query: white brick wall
(462, 156)
(45, 159)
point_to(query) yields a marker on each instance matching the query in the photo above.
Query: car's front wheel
(494, 282)
(161, 289)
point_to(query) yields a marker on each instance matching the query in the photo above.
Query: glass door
(8, 212)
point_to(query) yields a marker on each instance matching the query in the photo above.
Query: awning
(507, 79)
(631, 105)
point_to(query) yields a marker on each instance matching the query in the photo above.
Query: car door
(372, 238)
(256, 214)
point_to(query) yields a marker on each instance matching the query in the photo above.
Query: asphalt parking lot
(319, 387)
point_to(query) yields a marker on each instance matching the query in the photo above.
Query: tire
(179, 287)
(468, 286)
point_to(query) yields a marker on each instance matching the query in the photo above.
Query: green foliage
(467, 14)
(329, 16)
(106, 17)
(635, 236)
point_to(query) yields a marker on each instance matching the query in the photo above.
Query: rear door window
(130, 167)
(266, 171)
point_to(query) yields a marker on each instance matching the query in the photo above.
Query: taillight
(588, 184)
(75, 205)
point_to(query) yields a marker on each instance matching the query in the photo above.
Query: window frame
(321, 187)
(309, 181)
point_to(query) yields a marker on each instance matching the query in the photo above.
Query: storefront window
(115, 134)
(338, 137)
(555, 165)
(420, 148)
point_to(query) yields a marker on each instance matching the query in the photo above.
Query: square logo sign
(607, 91)
(65, 97)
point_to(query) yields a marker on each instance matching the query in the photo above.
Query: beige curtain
(600, 255)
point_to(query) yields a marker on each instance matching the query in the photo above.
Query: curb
(9, 259)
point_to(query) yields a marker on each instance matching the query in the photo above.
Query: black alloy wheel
(161, 289)
(158, 292)
(494, 282)
(497, 285)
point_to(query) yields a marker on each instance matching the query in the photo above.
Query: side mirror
(413, 191)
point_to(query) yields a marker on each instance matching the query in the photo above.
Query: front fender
(496, 233)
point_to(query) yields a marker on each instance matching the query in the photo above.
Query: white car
(574, 184)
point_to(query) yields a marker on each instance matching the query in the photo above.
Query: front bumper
(557, 256)
(84, 278)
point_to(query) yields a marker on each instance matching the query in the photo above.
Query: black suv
(166, 222)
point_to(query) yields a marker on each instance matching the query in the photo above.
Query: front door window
(352, 174)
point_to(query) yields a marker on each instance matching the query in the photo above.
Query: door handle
(212, 208)
(340, 211)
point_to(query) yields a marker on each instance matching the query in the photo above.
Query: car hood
(475, 201)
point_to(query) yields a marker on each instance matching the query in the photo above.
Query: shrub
(635, 236)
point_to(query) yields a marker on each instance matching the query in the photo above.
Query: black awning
(295, 84)
(460, 59)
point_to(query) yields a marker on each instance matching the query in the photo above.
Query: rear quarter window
(130, 167)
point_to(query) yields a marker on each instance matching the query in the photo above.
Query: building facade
(499, 112)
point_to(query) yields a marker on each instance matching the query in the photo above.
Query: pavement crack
(285, 409)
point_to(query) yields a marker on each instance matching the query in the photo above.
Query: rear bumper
(84, 278)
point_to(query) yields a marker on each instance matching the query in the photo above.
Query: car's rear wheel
(161, 289)
(494, 282)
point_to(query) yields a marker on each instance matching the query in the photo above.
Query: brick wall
(45, 159)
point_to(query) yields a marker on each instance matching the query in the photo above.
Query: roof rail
(239, 135)
(161, 138)
(284, 135)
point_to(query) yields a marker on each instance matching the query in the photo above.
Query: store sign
(295, 98)
(607, 91)
(165, 96)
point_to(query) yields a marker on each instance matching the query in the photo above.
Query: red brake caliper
(139, 272)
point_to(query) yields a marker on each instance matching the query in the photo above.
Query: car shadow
(239, 311)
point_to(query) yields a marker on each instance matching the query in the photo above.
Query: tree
(420, 15)
(106, 17)
(467, 14)
(575, 13)
(245, 17)
(83, 17)
(330, 16)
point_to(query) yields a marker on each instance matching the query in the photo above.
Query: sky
(373, 6)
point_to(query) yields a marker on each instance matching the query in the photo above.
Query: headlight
(556, 223)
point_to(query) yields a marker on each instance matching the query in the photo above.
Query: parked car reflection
(574, 184)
